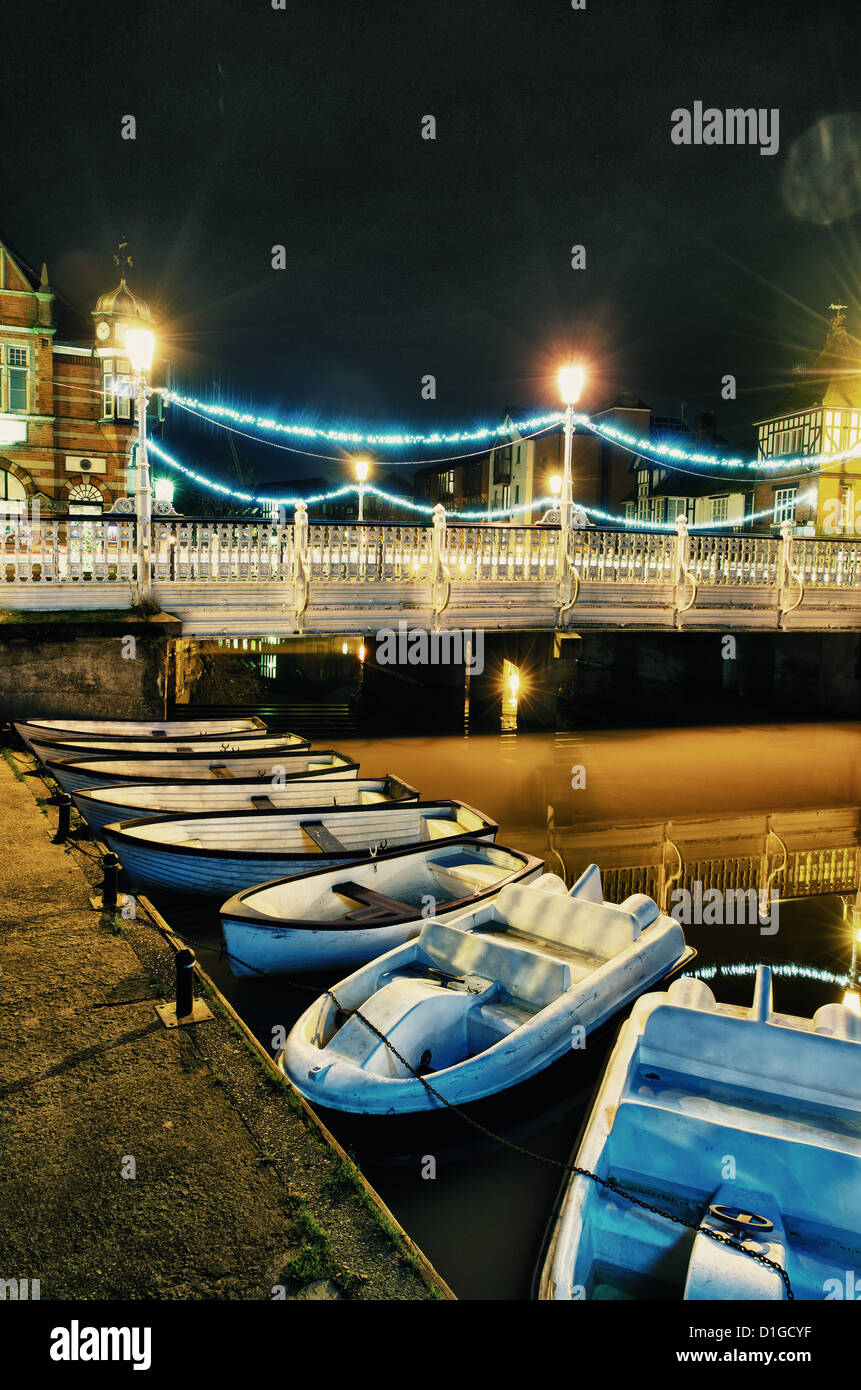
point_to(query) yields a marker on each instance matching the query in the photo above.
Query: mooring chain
(723, 1238)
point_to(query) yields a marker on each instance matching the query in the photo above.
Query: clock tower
(115, 313)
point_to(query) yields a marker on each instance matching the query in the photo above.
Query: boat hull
(178, 866)
(129, 730)
(101, 808)
(62, 750)
(83, 774)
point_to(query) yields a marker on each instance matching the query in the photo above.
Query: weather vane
(839, 314)
(122, 256)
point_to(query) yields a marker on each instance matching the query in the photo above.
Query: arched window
(85, 500)
(13, 494)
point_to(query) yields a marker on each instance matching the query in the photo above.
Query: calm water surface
(482, 1219)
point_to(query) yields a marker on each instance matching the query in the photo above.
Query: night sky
(406, 256)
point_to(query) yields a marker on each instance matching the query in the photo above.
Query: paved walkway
(233, 1195)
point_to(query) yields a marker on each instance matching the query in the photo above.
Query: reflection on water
(717, 796)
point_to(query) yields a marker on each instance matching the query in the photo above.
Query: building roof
(122, 303)
(834, 379)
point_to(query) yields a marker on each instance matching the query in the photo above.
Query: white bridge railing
(523, 575)
(67, 549)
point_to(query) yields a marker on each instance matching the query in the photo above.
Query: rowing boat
(100, 807)
(276, 766)
(224, 853)
(177, 748)
(123, 730)
(745, 1126)
(482, 1002)
(338, 917)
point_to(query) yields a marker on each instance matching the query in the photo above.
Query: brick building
(461, 484)
(67, 417)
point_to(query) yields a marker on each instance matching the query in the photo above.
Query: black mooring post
(64, 822)
(111, 869)
(184, 983)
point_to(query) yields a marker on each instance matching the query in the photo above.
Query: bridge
(254, 576)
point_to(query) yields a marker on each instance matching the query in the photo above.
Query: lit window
(85, 500)
(117, 388)
(784, 504)
(720, 509)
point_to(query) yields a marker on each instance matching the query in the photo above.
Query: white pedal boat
(275, 766)
(481, 1002)
(100, 807)
(61, 750)
(121, 730)
(222, 854)
(691, 1086)
(338, 917)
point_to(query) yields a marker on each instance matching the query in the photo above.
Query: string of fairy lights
(660, 454)
(425, 509)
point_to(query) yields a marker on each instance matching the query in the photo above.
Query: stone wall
(84, 666)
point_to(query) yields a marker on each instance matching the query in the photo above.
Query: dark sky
(452, 257)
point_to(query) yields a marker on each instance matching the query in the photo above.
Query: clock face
(103, 330)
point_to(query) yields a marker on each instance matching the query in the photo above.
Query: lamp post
(362, 469)
(570, 384)
(140, 344)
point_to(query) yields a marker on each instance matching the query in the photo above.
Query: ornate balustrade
(67, 549)
(221, 551)
(348, 576)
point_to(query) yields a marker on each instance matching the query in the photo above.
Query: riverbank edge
(352, 1246)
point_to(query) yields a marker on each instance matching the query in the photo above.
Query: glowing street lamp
(571, 380)
(140, 345)
(163, 490)
(362, 470)
(555, 485)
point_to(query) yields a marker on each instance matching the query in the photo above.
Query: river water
(482, 1217)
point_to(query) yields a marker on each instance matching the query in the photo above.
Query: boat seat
(372, 798)
(219, 770)
(503, 1018)
(524, 974)
(594, 929)
(323, 837)
(436, 828)
(472, 876)
(376, 904)
(263, 803)
(749, 1054)
(581, 963)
